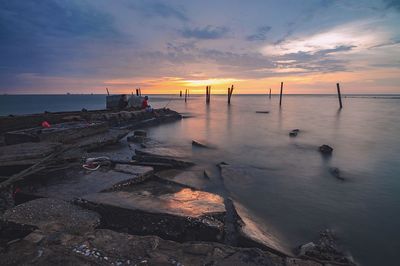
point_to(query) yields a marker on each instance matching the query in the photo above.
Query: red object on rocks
(45, 124)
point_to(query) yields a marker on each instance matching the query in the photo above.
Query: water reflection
(300, 197)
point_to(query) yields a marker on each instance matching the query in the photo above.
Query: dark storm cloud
(208, 32)
(42, 35)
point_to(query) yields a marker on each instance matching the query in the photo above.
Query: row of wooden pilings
(230, 92)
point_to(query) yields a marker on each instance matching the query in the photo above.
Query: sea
(287, 185)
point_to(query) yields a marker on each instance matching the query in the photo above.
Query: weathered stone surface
(251, 234)
(75, 184)
(27, 153)
(163, 152)
(192, 179)
(135, 170)
(105, 247)
(52, 214)
(61, 132)
(172, 213)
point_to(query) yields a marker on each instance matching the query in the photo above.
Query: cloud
(260, 35)
(395, 4)
(207, 33)
(158, 9)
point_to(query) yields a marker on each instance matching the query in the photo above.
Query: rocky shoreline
(115, 199)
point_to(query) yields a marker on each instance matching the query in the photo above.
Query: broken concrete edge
(171, 182)
(143, 223)
(245, 240)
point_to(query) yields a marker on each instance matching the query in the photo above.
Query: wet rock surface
(106, 247)
(171, 212)
(52, 214)
(188, 178)
(251, 234)
(76, 183)
(325, 149)
(325, 250)
(294, 132)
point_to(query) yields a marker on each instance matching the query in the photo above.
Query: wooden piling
(208, 94)
(137, 92)
(230, 91)
(339, 95)
(180, 94)
(270, 93)
(280, 97)
(108, 93)
(186, 92)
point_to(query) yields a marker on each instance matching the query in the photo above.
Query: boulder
(294, 132)
(325, 250)
(325, 149)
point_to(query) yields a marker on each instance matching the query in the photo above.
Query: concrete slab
(52, 215)
(70, 185)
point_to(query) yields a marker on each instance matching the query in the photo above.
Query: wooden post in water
(339, 95)
(209, 94)
(185, 95)
(108, 93)
(180, 94)
(230, 91)
(280, 97)
(137, 92)
(270, 93)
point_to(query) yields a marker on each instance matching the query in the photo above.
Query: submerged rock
(336, 173)
(52, 214)
(325, 149)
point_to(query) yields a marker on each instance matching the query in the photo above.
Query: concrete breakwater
(133, 203)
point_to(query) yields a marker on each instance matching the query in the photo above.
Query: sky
(85, 46)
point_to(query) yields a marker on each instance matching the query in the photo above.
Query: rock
(136, 139)
(199, 144)
(52, 215)
(146, 157)
(174, 213)
(306, 248)
(262, 112)
(140, 133)
(251, 234)
(336, 173)
(74, 183)
(325, 251)
(325, 149)
(294, 132)
(124, 249)
(191, 179)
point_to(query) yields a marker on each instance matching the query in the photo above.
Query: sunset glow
(164, 47)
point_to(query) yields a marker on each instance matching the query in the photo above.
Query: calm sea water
(286, 182)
